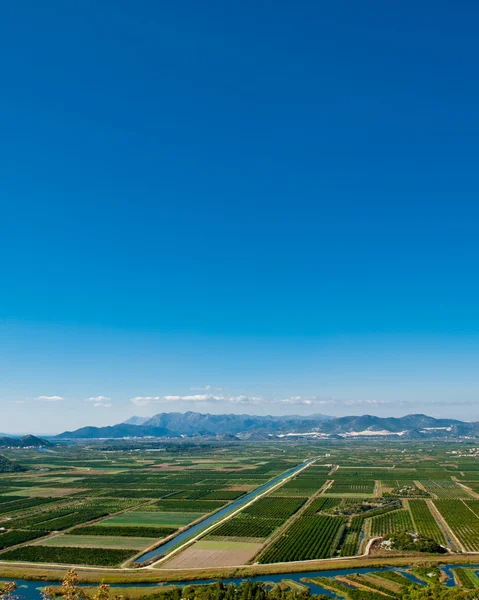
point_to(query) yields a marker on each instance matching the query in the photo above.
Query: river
(30, 590)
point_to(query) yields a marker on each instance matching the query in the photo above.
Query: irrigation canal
(184, 536)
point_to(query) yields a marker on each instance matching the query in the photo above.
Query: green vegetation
(8, 466)
(281, 508)
(445, 489)
(462, 520)
(112, 490)
(467, 578)
(357, 506)
(12, 538)
(307, 538)
(390, 522)
(350, 543)
(147, 519)
(412, 542)
(424, 522)
(242, 526)
(81, 556)
(198, 506)
(95, 541)
(155, 532)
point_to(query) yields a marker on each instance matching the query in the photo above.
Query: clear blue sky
(274, 200)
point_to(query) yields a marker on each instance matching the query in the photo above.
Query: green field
(147, 519)
(93, 541)
(104, 504)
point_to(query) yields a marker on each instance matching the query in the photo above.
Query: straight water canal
(217, 516)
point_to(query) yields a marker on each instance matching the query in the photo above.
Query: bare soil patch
(213, 554)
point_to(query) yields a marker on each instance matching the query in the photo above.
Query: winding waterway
(30, 590)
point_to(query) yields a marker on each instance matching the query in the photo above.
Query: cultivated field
(219, 553)
(101, 506)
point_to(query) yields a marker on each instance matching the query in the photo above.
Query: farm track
(466, 489)
(54, 534)
(439, 518)
(48, 571)
(446, 503)
(360, 585)
(226, 518)
(292, 519)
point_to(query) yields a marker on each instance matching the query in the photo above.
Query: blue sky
(245, 207)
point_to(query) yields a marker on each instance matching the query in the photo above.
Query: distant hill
(27, 441)
(357, 424)
(231, 426)
(190, 423)
(116, 431)
(136, 421)
(194, 424)
(8, 466)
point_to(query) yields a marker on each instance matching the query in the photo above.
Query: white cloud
(246, 400)
(49, 398)
(145, 400)
(217, 398)
(207, 388)
(364, 402)
(100, 401)
(296, 400)
(20, 401)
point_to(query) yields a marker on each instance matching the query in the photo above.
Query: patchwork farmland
(107, 508)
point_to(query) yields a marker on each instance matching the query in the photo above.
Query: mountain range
(193, 424)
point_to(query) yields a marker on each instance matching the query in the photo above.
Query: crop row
(462, 521)
(363, 487)
(17, 505)
(139, 493)
(319, 504)
(58, 520)
(346, 591)
(350, 543)
(7, 499)
(293, 492)
(76, 556)
(12, 538)
(281, 508)
(300, 483)
(398, 520)
(207, 494)
(466, 578)
(372, 583)
(127, 531)
(204, 506)
(424, 522)
(447, 490)
(307, 538)
(249, 527)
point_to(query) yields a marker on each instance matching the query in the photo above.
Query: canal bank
(31, 589)
(189, 535)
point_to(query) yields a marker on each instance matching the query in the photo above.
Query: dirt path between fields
(444, 526)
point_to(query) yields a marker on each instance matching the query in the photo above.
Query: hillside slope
(8, 466)
(27, 441)
(264, 427)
